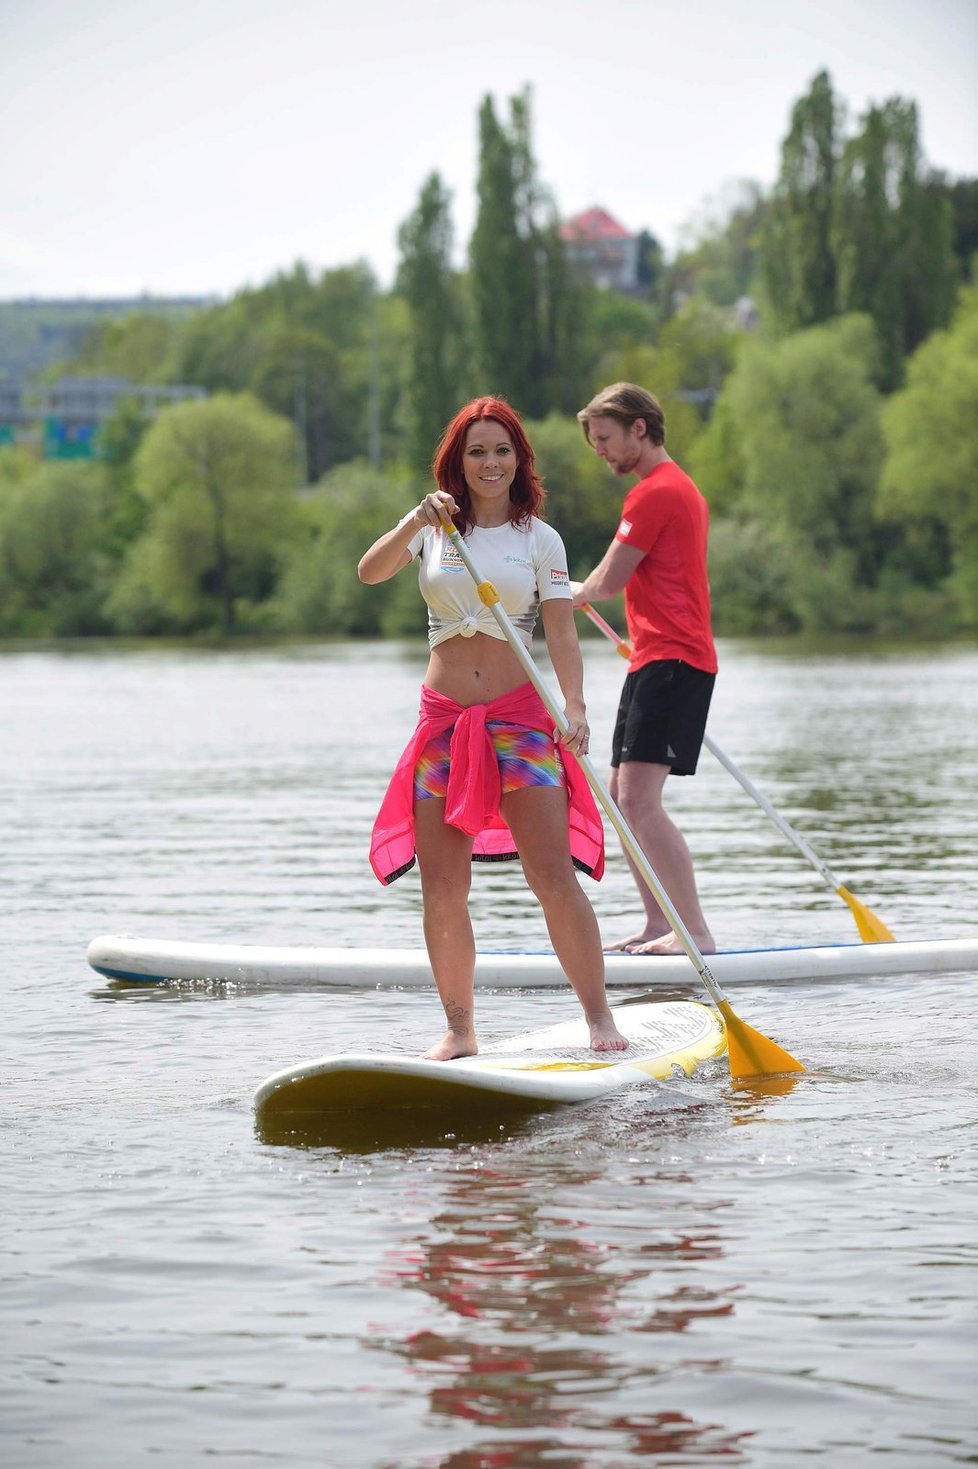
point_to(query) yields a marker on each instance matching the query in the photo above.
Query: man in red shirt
(658, 558)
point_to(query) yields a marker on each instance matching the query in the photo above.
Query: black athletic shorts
(662, 715)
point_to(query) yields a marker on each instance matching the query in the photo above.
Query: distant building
(37, 334)
(602, 250)
(63, 419)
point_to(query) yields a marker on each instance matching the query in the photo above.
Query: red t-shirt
(667, 598)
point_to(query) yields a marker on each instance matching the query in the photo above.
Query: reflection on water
(748, 1094)
(368, 1130)
(534, 1310)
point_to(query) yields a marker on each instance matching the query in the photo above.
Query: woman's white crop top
(527, 564)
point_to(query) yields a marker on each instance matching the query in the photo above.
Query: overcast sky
(195, 146)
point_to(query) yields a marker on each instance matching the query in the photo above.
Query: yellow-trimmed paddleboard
(531, 1072)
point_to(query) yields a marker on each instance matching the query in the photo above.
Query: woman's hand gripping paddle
(872, 930)
(749, 1052)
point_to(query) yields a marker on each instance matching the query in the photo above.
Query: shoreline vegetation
(815, 349)
(845, 645)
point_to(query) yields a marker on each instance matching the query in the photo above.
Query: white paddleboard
(134, 959)
(530, 1072)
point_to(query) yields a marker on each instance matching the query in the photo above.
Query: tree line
(835, 434)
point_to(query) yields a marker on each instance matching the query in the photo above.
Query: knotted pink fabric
(472, 802)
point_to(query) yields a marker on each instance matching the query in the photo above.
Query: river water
(749, 1278)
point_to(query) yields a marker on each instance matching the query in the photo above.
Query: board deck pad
(133, 959)
(534, 1071)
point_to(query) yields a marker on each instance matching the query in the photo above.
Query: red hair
(526, 494)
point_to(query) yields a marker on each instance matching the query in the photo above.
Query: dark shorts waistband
(662, 715)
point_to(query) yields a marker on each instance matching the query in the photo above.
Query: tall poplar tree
(502, 275)
(527, 307)
(797, 257)
(436, 347)
(859, 224)
(894, 235)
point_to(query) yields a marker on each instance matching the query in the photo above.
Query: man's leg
(637, 792)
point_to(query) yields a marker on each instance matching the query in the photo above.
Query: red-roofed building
(602, 249)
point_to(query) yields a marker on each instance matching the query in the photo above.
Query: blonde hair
(625, 403)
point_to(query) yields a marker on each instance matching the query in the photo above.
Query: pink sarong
(472, 802)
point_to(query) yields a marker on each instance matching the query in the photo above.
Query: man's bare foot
(624, 946)
(452, 1047)
(671, 945)
(605, 1035)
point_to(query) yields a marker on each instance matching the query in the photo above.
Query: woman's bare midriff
(474, 670)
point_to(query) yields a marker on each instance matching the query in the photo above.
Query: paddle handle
(622, 648)
(490, 598)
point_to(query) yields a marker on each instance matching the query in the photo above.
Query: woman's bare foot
(605, 1035)
(453, 1046)
(671, 945)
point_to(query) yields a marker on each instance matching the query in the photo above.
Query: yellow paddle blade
(750, 1053)
(872, 930)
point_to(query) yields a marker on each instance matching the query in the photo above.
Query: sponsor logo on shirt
(625, 529)
(450, 559)
(558, 578)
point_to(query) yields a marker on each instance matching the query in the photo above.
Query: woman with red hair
(483, 777)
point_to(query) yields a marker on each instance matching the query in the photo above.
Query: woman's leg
(537, 817)
(445, 861)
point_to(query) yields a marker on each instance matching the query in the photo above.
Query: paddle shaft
(490, 598)
(624, 650)
(775, 815)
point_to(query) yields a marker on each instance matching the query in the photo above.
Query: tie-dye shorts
(526, 757)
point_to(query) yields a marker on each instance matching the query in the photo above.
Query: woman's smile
(489, 464)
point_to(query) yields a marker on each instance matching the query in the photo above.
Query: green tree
(701, 342)
(616, 321)
(141, 347)
(619, 334)
(126, 512)
(750, 578)
(685, 368)
(893, 235)
(296, 374)
(583, 497)
(809, 448)
(503, 274)
(720, 258)
(528, 309)
(218, 478)
(16, 465)
(437, 349)
(653, 274)
(931, 430)
(963, 194)
(311, 349)
(53, 566)
(218, 347)
(797, 257)
(716, 462)
(319, 591)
